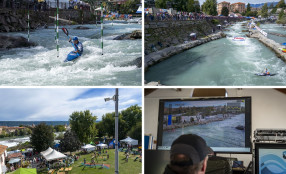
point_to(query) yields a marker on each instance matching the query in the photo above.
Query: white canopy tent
(14, 160)
(88, 147)
(139, 10)
(102, 145)
(129, 141)
(99, 9)
(54, 155)
(46, 152)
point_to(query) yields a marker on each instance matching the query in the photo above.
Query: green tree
(83, 124)
(160, 3)
(42, 137)
(281, 4)
(59, 128)
(131, 115)
(109, 125)
(210, 7)
(271, 6)
(180, 5)
(281, 15)
(70, 142)
(193, 6)
(273, 11)
(264, 11)
(224, 11)
(248, 10)
(60, 136)
(101, 131)
(130, 6)
(136, 132)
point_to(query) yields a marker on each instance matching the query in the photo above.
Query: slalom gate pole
(55, 27)
(58, 28)
(28, 22)
(101, 29)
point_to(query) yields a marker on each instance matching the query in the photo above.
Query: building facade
(221, 5)
(3, 155)
(237, 7)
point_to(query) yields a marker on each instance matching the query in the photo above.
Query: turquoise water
(223, 62)
(40, 66)
(274, 28)
(216, 134)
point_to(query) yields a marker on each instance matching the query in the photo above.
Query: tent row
(90, 148)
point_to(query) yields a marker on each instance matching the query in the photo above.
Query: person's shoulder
(168, 170)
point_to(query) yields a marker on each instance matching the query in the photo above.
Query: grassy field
(130, 167)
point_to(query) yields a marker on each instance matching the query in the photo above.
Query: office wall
(268, 109)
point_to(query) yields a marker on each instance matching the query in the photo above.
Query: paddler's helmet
(75, 38)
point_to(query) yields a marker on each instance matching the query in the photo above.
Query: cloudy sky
(245, 1)
(56, 104)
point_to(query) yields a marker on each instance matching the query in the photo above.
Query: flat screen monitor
(224, 123)
(270, 158)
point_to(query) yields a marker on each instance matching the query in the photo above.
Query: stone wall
(11, 20)
(165, 53)
(163, 34)
(274, 46)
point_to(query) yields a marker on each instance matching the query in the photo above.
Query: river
(222, 62)
(216, 134)
(14, 141)
(40, 66)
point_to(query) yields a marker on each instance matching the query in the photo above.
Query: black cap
(193, 146)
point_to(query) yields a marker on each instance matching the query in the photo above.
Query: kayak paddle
(65, 30)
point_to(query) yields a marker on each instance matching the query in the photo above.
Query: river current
(40, 66)
(222, 62)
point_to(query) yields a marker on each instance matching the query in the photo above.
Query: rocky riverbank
(137, 34)
(278, 34)
(160, 55)
(137, 62)
(14, 42)
(16, 20)
(276, 47)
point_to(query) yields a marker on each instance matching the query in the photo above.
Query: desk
(239, 171)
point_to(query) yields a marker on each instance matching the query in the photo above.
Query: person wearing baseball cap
(189, 155)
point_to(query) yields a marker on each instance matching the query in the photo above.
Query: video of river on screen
(221, 123)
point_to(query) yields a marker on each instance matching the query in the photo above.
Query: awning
(129, 140)
(54, 155)
(88, 146)
(46, 152)
(139, 10)
(14, 160)
(102, 145)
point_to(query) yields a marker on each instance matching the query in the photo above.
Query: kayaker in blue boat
(266, 71)
(78, 49)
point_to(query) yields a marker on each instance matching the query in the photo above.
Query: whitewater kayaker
(78, 49)
(266, 71)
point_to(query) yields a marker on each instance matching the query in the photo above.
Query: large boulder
(81, 28)
(14, 42)
(137, 34)
(137, 62)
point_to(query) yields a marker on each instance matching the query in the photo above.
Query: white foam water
(40, 66)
